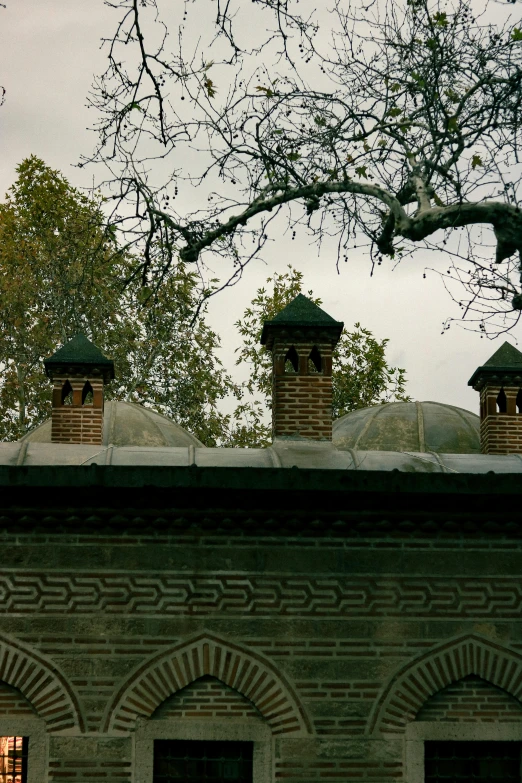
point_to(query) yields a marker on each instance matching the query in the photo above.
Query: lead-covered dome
(409, 426)
(128, 424)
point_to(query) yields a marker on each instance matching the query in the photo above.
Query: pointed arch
(315, 360)
(438, 668)
(242, 669)
(44, 687)
(87, 394)
(501, 402)
(291, 362)
(67, 393)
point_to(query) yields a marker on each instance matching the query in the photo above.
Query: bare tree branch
(380, 123)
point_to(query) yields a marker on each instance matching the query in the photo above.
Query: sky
(49, 53)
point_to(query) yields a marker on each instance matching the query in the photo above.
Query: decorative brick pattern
(471, 700)
(201, 596)
(420, 679)
(332, 643)
(13, 703)
(246, 672)
(41, 683)
(206, 698)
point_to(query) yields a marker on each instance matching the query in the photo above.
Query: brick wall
(500, 433)
(302, 400)
(303, 406)
(77, 423)
(469, 700)
(206, 698)
(13, 703)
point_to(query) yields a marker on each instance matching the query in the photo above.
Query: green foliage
(361, 376)
(61, 273)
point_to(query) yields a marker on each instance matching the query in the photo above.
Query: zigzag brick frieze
(444, 664)
(39, 681)
(242, 670)
(202, 596)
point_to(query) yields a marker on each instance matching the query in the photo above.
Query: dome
(128, 424)
(409, 426)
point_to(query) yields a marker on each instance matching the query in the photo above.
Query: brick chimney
(302, 338)
(499, 382)
(79, 371)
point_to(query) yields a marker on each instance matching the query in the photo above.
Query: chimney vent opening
(501, 402)
(519, 401)
(87, 394)
(315, 363)
(67, 394)
(291, 361)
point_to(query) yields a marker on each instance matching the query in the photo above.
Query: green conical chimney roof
(505, 362)
(506, 356)
(82, 356)
(301, 313)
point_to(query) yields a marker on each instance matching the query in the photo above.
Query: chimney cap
(82, 356)
(301, 313)
(506, 361)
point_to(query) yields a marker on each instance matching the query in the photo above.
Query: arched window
(501, 402)
(67, 394)
(315, 363)
(291, 361)
(87, 394)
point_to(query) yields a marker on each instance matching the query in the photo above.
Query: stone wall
(334, 644)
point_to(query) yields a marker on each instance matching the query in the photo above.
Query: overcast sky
(49, 52)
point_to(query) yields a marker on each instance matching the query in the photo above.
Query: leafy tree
(61, 272)
(389, 124)
(168, 361)
(361, 376)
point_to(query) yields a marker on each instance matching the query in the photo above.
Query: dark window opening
(67, 394)
(519, 401)
(472, 762)
(197, 761)
(87, 394)
(13, 759)
(291, 360)
(314, 360)
(501, 402)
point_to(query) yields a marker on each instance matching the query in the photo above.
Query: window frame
(203, 729)
(34, 729)
(418, 732)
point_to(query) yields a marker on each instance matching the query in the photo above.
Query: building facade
(315, 611)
